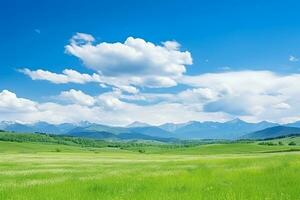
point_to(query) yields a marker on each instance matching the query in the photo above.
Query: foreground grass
(78, 173)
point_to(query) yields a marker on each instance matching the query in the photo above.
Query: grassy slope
(213, 149)
(287, 140)
(218, 171)
(34, 147)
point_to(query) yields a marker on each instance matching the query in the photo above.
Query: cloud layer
(127, 68)
(108, 108)
(250, 95)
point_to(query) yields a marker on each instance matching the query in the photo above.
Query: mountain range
(234, 129)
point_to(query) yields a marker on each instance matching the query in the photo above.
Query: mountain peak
(84, 123)
(235, 121)
(7, 122)
(40, 123)
(267, 122)
(137, 124)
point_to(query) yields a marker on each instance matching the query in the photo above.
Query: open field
(216, 171)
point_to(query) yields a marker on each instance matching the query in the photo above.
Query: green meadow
(240, 170)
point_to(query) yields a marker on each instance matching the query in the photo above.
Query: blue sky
(225, 38)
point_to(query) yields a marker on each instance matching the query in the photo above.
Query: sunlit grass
(118, 174)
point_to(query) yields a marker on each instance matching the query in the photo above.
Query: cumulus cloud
(126, 84)
(72, 76)
(9, 102)
(153, 65)
(255, 95)
(67, 76)
(201, 95)
(14, 108)
(77, 97)
(128, 66)
(171, 45)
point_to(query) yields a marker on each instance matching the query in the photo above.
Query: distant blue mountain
(172, 127)
(137, 124)
(273, 132)
(294, 124)
(216, 130)
(94, 128)
(98, 131)
(45, 127)
(42, 127)
(17, 127)
(152, 131)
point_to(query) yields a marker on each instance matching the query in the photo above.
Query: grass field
(214, 171)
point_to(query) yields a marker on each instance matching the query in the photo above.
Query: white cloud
(128, 89)
(107, 109)
(9, 102)
(135, 64)
(123, 83)
(77, 97)
(282, 106)
(153, 65)
(127, 66)
(110, 101)
(67, 76)
(201, 95)
(72, 76)
(251, 95)
(171, 45)
(254, 95)
(293, 59)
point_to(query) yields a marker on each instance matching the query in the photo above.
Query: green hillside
(38, 166)
(37, 171)
(290, 141)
